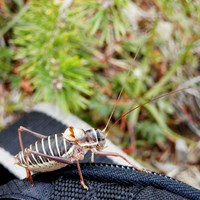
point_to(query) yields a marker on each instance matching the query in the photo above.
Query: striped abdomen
(54, 145)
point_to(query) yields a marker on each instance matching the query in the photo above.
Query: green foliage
(103, 18)
(66, 54)
(50, 49)
(9, 15)
(150, 132)
(5, 63)
(142, 81)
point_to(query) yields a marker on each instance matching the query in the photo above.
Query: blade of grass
(14, 20)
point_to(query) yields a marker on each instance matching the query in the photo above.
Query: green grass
(81, 62)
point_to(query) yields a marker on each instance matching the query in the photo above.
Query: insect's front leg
(81, 176)
(103, 153)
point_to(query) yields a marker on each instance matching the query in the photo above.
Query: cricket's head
(101, 139)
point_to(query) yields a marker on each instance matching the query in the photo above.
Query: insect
(53, 152)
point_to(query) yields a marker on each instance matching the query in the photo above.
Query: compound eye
(98, 135)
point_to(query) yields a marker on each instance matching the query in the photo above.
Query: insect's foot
(84, 186)
(92, 161)
(29, 177)
(143, 170)
(30, 180)
(147, 171)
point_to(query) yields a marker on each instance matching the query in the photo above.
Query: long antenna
(140, 105)
(119, 96)
(113, 110)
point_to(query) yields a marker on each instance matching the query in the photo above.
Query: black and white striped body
(72, 145)
(54, 145)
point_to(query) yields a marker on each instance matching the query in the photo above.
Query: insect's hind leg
(59, 159)
(22, 129)
(28, 172)
(122, 157)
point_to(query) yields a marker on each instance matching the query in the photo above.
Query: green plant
(149, 74)
(50, 48)
(104, 19)
(5, 63)
(10, 14)
(150, 131)
(67, 53)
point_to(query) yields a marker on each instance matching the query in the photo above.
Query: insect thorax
(88, 138)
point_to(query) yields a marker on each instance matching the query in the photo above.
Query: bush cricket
(53, 152)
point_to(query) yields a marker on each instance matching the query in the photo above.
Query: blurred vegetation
(78, 55)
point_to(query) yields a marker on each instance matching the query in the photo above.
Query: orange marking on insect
(71, 129)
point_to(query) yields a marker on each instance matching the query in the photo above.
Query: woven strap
(104, 182)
